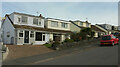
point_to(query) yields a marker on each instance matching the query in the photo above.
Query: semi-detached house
(20, 29)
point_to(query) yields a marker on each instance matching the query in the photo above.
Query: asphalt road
(87, 55)
(106, 55)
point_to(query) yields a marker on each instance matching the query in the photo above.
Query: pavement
(18, 51)
(0, 55)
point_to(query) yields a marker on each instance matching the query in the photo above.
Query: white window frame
(34, 19)
(64, 25)
(43, 34)
(18, 19)
(87, 25)
(24, 18)
(20, 31)
(32, 33)
(81, 23)
(53, 24)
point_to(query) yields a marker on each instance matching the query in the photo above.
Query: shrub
(48, 45)
(69, 40)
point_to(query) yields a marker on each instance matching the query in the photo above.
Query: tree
(86, 33)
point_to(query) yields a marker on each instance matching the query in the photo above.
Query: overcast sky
(96, 12)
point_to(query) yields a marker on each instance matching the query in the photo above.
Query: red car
(109, 40)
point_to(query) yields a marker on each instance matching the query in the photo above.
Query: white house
(19, 29)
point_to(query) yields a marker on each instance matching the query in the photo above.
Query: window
(87, 25)
(35, 21)
(19, 19)
(39, 22)
(8, 34)
(81, 24)
(24, 19)
(64, 25)
(43, 36)
(38, 36)
(54, 24)
(21, 34)
(106, 38)
(32, 34)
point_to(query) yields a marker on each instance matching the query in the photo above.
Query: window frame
(19, 19)
(21, 32)
(23, 17)
(35, 19)
(53, 24)
(32, 33)
(64, 25)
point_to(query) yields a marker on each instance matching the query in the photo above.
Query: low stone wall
(79, 44)
(4, 51)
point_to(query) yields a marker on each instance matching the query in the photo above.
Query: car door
(114, 39)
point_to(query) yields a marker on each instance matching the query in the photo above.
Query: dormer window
(64, 25)
(54, 24)
(24, 19)
(35, 21)
(19, 20)
(81, 24)
(39, 22)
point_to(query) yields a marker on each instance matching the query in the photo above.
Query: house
(20, 28)
(108, 27)
(57, 24)
(119, 28)
(77, 25)
(99, 31)
(114, 29)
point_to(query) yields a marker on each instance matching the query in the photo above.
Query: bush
(69, 40)
(48, 45)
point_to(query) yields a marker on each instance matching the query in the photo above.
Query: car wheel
(113, 44)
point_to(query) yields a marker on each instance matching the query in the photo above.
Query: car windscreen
(106, 38)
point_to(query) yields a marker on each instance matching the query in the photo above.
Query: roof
(29, 15)
(76, 25)
(40, 29)
(82, 21)
(37, 28)
(57, 19)
(96, 28)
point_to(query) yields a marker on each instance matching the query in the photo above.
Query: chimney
(40, 15)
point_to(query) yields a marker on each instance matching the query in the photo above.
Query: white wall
(7, 27)
(119, 28)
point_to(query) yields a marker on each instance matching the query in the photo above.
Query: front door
(26, 37)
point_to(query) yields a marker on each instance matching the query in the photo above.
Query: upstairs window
(64, 25)
(87, 25)
(19, 20)
(54, 24)
(35, 21)
(24, 19)
(81, 24)
(39, 22)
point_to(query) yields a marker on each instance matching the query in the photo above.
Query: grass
(48, 45)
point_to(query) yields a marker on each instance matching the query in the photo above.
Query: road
(106, 55)
(88, 55)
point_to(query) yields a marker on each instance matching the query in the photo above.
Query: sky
(95, 12)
